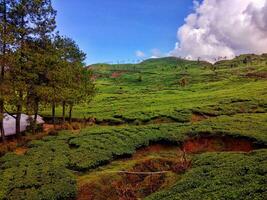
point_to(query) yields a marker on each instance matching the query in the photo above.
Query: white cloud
(156, 53)
(140, 54)
(220, 28)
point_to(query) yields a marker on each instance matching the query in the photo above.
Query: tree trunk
(19, 105)
(63, 111)
(2, 74)
(54, 114)
(2, 131)
(36, 109)
(18, 118)
(70, 113)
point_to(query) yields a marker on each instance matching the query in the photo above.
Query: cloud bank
(156, 53)
(140, 54)
(223, 28)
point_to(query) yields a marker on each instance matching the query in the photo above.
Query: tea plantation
(166, 99)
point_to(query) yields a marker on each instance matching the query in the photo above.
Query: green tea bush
(228, 176)
(47, 169)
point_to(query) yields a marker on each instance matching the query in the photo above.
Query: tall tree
(34, 21)
(78, 85)
(6, 41)
(44, 23)
(44, 69)
(20, 19)
(82, 88)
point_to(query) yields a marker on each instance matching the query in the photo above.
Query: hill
(162, 86)
(188, 105)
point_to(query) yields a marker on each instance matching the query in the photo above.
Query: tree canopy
(37, 65)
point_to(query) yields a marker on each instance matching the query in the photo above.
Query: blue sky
(113, 30)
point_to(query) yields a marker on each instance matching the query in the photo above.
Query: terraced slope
(171, 87)
(164, 100)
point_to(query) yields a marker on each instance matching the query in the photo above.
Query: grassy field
(158, 100)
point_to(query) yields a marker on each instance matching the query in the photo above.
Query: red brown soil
(155, 148)
(21, 150)
(133, 186)
(138, 182)
(212, 144)
(17, 144)
(161, 120)
(48, 127)
(257, 75)
(116, 74)
(94, 77)
(103, 190)
(198, 118)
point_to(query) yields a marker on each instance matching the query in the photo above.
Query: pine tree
(6, 40)
(36, 67)
(34, 21)
(20, 14)
(43, 17)
(77, 85)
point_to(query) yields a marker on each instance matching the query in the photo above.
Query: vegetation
(47, 170)
(38, 67)
(222, 176)
(159, 100)
(159, 94)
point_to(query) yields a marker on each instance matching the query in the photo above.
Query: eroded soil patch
(143, 179)
(260, 75)
(217, 144)
(21, 150)
(197, 117)
(117, 74)
(147, 171)
(151, 168)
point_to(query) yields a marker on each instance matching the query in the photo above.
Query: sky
(130, 30)
(122, 30)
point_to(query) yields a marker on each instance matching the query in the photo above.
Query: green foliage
(29, 25)
(228, 176)
(43, 68)
(45, 171)
(229, 104)
(159, 93)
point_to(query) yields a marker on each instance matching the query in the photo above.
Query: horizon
(181, 58)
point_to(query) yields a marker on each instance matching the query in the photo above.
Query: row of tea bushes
(47, 169)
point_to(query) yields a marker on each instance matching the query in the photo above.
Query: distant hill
(164, 60)
(149, 63)
(169, 70)
(245, 59)
(167, 61)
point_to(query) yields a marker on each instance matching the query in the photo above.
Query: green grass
(234, 103)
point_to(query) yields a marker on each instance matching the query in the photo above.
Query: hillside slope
(169, 86)
(164, 100)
